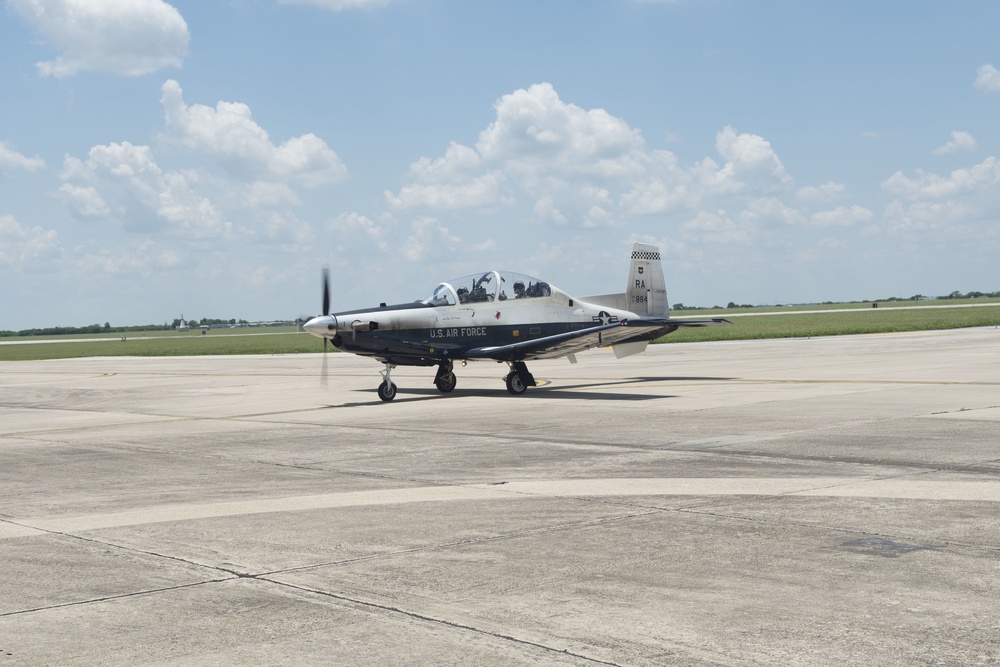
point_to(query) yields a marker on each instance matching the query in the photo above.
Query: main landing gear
(519, 378)
(445, 379)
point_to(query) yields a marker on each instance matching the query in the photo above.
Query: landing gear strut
(519, 378)
(387, 390)
(445, 379)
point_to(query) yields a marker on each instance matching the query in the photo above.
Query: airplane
(505, 317)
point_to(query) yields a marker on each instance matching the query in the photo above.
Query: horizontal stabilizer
(619, 301)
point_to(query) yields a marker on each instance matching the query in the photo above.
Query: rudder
(646, 289)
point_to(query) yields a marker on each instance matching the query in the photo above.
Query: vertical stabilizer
(646, 290)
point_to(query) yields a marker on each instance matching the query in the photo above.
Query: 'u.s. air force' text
(463, 332)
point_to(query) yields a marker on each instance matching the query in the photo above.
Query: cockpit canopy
(486, 287)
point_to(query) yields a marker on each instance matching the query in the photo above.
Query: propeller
(326, 290)
(326, 311)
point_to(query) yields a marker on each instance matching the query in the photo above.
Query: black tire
(387, 391)
(446, 383)
(515, 385)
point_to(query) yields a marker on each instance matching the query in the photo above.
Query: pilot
(518, 290)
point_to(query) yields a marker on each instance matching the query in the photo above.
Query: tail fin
(646, 289)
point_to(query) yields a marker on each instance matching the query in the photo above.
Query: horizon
(220, 321)
(160, 159)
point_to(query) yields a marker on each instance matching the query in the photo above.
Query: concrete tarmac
(824, 501)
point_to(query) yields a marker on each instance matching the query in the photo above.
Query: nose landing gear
(387, 390)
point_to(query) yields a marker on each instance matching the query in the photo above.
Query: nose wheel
(387, 390)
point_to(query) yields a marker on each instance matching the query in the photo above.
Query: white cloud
(124, 182)
(338, 5)
(979, 178)
(127, 37)
(988, 79)
(470, 193)
(750, 159)
(429, 240)
(535, 132)
(140, 258)
(820, 251)
(924, 216)
(826, 192)
(584, 167)
(231, 136)
(280, 227)
(965, 202)
(355, 224)
(11, 159)
(85, 202)
(27, 248)
(842, 216)
(546, 210)
(717, 227)
(261, 195)
(961, 142)
(771, 212)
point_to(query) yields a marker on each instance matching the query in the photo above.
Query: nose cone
(324, 326)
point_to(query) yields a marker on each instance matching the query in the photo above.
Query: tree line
(107, 328)
(916, 297)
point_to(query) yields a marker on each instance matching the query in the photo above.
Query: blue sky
(208, 158)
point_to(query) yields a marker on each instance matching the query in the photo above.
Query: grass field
(753, 323)
(262, 340)
(747, 325)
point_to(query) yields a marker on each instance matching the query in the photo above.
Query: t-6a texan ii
(505, 317)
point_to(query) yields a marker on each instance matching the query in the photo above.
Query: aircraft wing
(559, 345)
(671, 322)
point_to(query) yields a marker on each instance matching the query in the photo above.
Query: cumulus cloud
(820, 193)
(355, 224)
(145, 198)
(923, 216)
(26, 248)
(842, 216)
(583, 167)
(138, 258)
(961, 142)
(127, 37)
(536, 132)
(85, 201)
(988, 79)
(10, 159)
(230, 135)
(750, 159)
(468, 193)
(771, 211)
(963, 202)
(429, 239)
(978, 178)
(718, 227)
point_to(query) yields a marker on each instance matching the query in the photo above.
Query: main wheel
(515, 385)
(446, 382)
(387, 391)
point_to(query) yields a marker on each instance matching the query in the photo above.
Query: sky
(209, 158)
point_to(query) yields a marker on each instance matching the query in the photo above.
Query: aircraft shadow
(545, 391)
